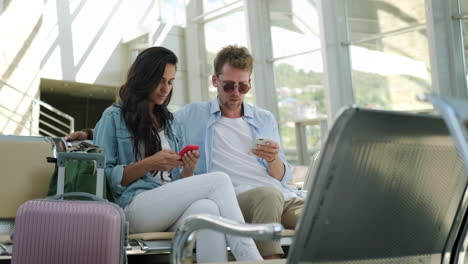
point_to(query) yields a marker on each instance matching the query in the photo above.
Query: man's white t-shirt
(232, 143)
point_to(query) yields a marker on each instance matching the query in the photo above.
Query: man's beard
(232, 107)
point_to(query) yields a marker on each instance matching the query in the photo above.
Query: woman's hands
(165, 160)
(189, 160)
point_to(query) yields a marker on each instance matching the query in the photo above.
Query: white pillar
(446, 48)
(259, 37)
(197, 80)
(336, 56)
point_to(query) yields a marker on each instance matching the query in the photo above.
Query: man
(226, 129)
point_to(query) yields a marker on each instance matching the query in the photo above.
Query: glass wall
(211, 5)
(298, 72)
(173, 12)
(226, 30)
(224, 24)
(388, 48)
(389, 53)
(464, 15)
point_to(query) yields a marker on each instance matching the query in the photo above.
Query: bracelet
(271, 160)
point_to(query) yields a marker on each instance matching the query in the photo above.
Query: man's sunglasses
(228, 87)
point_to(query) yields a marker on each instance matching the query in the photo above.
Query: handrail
(21, 125)
(54, 119)
(301, 153)
(70, 126)
(12, 112)
(42, 103)
(48, 133)
(52, 127)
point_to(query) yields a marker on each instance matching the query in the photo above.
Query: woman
(149, 180)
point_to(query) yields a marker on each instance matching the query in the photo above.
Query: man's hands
(78, 135)
(267, 151)
(190, 160)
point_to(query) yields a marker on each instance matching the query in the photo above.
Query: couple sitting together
(226, 177)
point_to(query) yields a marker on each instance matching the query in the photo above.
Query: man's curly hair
(237, 57)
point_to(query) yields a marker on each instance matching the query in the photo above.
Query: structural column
(445, 37)
(336, 56)
(259, 37)
(197, 80)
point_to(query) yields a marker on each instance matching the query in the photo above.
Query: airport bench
(25, 175)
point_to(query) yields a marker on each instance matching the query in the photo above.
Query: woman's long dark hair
(143, 78)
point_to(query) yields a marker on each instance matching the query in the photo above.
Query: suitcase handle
(76, 194)
(64, 157)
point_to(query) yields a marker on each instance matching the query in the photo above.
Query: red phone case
(188, 148)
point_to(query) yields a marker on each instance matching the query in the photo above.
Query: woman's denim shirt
(111, 133)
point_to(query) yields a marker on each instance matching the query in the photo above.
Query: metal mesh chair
(387, 190)
(455, 114)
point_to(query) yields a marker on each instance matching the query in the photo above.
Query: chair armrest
(184, 238)
(454, 113)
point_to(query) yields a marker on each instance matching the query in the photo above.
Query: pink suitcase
(56, 231)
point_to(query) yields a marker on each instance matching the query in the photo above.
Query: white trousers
(163, 208)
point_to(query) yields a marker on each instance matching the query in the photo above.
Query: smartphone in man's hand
(259, 141)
